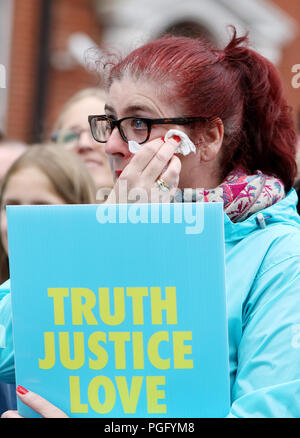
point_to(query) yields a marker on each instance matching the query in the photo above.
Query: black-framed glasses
(131, 128)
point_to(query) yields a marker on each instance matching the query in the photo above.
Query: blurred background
(44, 46)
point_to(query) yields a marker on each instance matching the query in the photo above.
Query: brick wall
(67, 16)
(24, 52)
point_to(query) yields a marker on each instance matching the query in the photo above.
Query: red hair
(237, 85)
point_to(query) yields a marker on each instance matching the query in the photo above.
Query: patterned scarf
(241, 194)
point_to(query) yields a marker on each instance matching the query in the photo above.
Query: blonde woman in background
(72, 130)
(44, 174)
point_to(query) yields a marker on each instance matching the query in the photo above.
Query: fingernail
(21, 390)
(163, 139)
(177, 138)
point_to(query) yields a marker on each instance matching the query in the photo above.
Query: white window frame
(130, 23)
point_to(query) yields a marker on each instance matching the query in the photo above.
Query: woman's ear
(211, 140)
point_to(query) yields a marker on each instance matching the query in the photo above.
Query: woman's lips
(93, 163)
(118, 173)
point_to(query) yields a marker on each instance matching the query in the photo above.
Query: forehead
(128, 95)
(78, 112)
(31, 174)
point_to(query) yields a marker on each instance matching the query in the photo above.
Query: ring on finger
(162, 185)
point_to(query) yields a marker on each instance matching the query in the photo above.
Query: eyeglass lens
(132, 129)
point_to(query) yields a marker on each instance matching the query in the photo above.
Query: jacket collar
(284, 211)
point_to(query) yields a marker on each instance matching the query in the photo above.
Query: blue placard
(120, 310)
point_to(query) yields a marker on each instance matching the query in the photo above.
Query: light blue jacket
(263, 294)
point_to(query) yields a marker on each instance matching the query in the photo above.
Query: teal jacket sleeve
(267, 382)
(7, 365)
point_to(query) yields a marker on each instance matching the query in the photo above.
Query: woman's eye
(138, 124)
(70, 136)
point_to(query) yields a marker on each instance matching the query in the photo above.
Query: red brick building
(36, 90)
(42, 74)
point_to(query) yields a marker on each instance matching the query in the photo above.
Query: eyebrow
(74, 127)
(138, 108)
(131, 109)
(109, 108)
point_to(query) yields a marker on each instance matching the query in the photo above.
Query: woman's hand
(155, 161)
(37, 403)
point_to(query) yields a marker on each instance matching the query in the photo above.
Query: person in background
(72, 130)
(42, 175)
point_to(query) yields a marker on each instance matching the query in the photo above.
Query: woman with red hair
(227, 108)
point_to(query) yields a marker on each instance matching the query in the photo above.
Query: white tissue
(134, 147)
(185, 147)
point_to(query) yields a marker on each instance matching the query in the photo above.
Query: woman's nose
(86, 141)
(115, 145)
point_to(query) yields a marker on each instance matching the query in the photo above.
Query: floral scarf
(241, 194)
